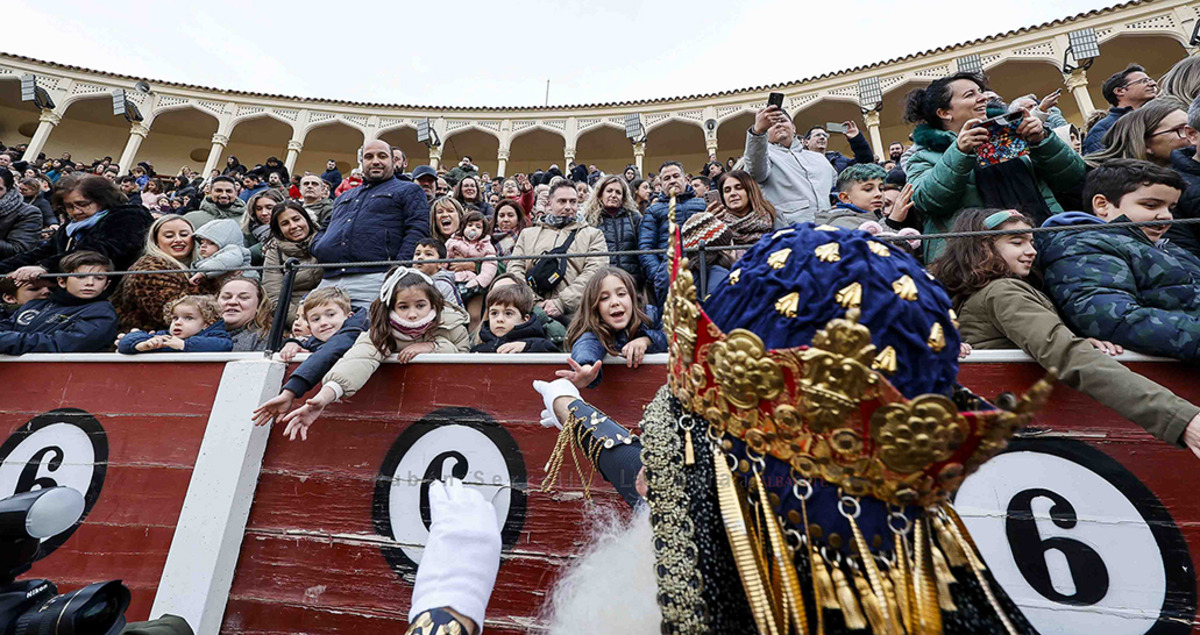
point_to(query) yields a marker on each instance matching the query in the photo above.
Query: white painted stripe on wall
(208, 538)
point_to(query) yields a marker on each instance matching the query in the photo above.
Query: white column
(219, 141)
(137, 134)
(568, 156)
(501, 161)
(208, 537)
(293, 152)
(46, 123)
(435, 156)
(639, 156)
(710, 144)
(872, 121)
(1077, 83)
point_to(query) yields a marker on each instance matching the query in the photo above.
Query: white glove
(462, 556)
(550, 391)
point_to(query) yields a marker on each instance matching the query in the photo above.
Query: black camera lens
(96, 609)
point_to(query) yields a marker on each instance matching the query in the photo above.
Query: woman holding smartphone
(946, 175)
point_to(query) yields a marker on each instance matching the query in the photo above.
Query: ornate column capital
(871, 118)
(1076, 79)
(139, 129)
(220, 140)
(50, 117)
(295, 146)
(502, 154)
(639, 149)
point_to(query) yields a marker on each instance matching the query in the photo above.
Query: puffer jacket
(373, 222)
(588, 349)
(61, 323)
(1116, 285)
(275, 253)
(943, 178)
(352, 371)
(796, 181)
(120, 235)
(213, 339)
(652, 234)
(529, 332)
(326, 354)
(1094, 141)
(20, 229)
(621, 234)
(540, 239)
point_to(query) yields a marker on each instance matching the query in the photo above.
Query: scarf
(554, 220)
(74, 227)
(408, 331)
(11, 201)
(747, 229)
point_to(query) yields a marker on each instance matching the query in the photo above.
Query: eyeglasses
(79, 205)
(1144, 80)
(1180, 131)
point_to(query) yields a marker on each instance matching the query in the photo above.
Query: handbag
(546, 273)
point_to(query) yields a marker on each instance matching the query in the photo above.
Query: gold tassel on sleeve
(734, 517)
(928, 618)
(851, 610)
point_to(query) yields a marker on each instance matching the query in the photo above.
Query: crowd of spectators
(213, 246)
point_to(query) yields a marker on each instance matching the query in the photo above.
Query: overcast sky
(469, 52)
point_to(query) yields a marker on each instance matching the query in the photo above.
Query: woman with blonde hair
(611, 209)
(1149, 133)
(141, 298)
(1183, 80)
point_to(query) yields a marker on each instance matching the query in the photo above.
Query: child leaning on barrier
(330, 308)
(555, 331)
(510, 325)
(612, 320)
(409, 318)
(13, 296)
(195, 327)
(322, 313)
(77, 317)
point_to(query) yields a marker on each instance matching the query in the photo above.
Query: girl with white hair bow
(407, 319)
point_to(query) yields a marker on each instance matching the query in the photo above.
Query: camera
(30, 607)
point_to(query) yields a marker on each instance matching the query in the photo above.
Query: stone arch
(536, 147)
(253, 139)
(731, 134)
(830, 109)
(469, 127)
(18, 119)
(333, 139)
(676, 140)
(179, 135)
(605, 146)
(478, 143)
(255, 116)
(404, 136)
(89, 131)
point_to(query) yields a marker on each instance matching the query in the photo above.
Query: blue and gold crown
(832, 352)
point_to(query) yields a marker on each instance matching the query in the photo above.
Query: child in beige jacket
(408, 318)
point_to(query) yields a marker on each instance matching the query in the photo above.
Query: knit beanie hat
(707, 227)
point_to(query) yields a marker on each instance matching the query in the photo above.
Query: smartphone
(712, 196)
(833, 127)
(775, 99)
(1006, 119)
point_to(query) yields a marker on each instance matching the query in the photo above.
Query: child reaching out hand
(611, 320)
(195, 327)
(409, 318)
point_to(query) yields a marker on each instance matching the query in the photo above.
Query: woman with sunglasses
(100, 219)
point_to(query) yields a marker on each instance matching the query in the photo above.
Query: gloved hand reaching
(551, 391)
(462, 556)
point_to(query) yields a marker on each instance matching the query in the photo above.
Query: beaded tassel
(944, 578)
(871, 605)
(851, 610)
(875, 579)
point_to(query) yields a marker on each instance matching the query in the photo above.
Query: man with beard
(383, 219)
(401, 161)
(332, 175)
(221, 202)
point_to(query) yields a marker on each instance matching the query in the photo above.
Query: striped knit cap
(704, 226)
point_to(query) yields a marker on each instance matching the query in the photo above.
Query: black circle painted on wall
(455, 462)
(1179, 603)
(52, 457)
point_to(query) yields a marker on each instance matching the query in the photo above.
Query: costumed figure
(798, 465)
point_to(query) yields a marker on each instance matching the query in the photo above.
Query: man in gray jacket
(796, 181)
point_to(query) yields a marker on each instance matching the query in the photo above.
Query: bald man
(383, 219)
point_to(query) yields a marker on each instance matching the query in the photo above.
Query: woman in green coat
(999, 309)
(944, 172)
